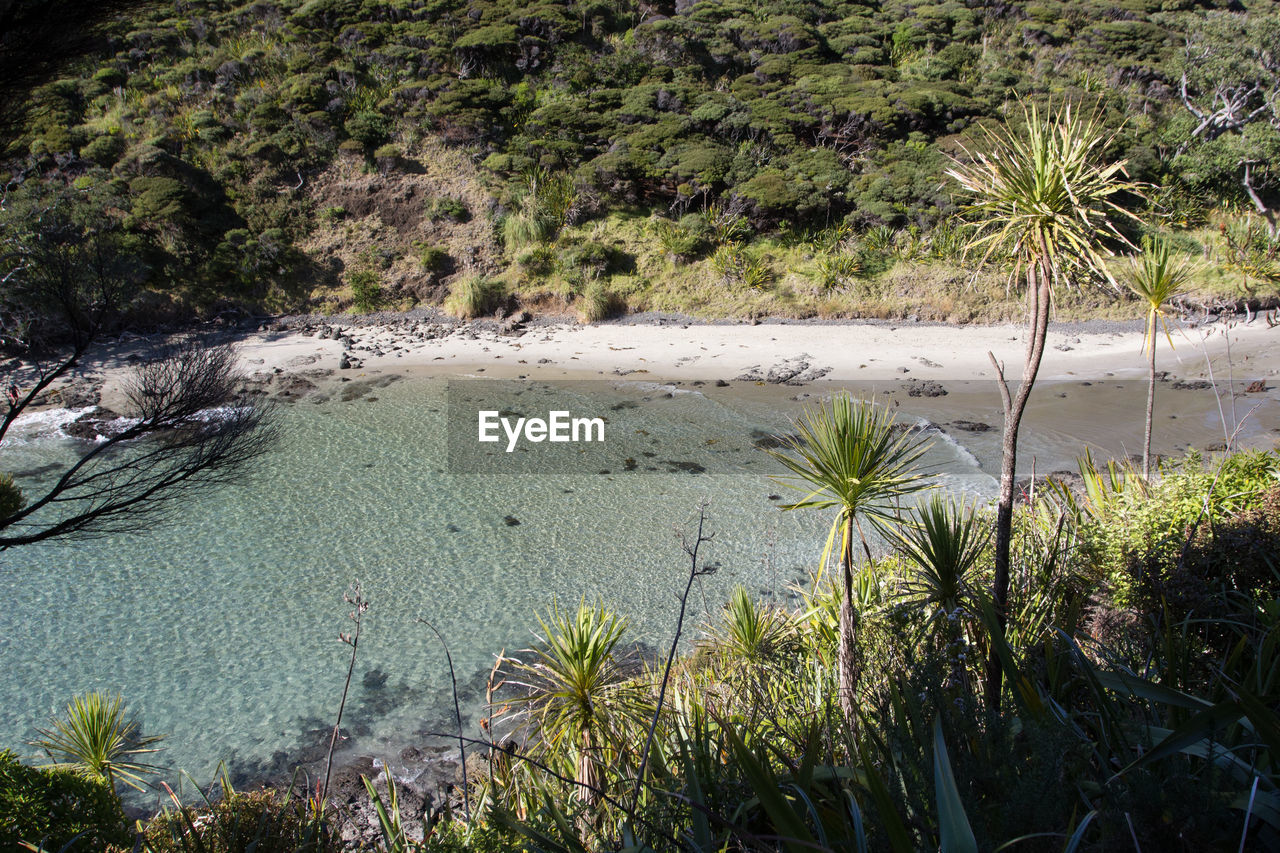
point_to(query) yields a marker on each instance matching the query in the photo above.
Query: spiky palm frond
(852, 456)
(1043, 196)
(97, 740)
(1156, 277)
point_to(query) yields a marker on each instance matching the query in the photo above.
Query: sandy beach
(684, 351)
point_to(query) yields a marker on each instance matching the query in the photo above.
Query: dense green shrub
(596, 303)
(366, 290)
(1135, 533)
(759, 116)
(451, 209)
(56, 808)
(434, 259)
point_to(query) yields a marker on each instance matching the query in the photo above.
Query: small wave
(43, 426)
(927, 426)
(51, 424)
(673, 390)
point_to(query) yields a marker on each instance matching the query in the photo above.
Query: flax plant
(1047, 199)
(1155, 278)
(851, 457)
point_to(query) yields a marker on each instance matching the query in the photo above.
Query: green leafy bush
(589, 259)
(433, 259)
(366, 290)
(736, 266)
(450, 209)
(1133, 529)
(832, 271)
(56, 808)
(538, 261)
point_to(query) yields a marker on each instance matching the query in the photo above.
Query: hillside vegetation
(720, 158)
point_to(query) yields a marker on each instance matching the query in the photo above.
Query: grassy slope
(905, 282)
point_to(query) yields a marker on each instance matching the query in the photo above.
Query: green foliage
(739, 267)
(750, 632)
(58, 809)
(678, 243)
(1042, 197)
(433, 259)
(366, 290)
(1133, 533)
(1155, 278)
(576, 694)
(449, 209)
(942, 542)
(539, 261)
(850, 456)
(264, 821)
(529, 225)
(761, 117)
(838, 270)
(97, 740)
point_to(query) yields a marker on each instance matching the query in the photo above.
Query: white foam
(43, 426)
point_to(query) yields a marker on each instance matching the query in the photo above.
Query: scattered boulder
(924, 388)
(95, 425)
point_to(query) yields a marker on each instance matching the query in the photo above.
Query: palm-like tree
(1155, 277)
(1045, 198)
(98, 741)
(577, 698)
(851, 457)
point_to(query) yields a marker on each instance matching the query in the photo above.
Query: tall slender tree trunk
(1039, 284)
(848, 659)
(1151, 399)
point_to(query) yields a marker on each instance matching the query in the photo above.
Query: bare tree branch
(189, 431)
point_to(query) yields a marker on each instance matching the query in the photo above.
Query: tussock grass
(475, 296)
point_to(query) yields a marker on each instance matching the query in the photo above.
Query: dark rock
(293, 386)
(972, 426)
(92, 425)
(1191, 385)
(720, 383)
(926, 388)
(510, 521)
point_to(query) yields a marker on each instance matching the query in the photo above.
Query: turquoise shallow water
(220, 628)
